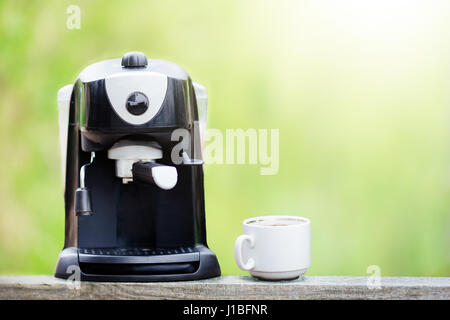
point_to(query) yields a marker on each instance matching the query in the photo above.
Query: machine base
(69, 265)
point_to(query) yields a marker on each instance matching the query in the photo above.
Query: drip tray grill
(138, 255)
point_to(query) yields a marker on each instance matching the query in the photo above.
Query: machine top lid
(131, 62)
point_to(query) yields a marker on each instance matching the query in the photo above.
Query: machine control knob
(137, 103)
(134, 59)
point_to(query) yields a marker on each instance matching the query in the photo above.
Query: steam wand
(83, 205)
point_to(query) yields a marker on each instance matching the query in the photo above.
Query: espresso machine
(131, 132)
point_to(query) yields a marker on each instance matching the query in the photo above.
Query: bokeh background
(358, 89)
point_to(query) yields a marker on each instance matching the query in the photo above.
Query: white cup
(274, 247)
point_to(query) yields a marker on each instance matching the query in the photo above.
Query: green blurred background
(358, 89)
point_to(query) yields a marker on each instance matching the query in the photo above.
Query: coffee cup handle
(238, 252)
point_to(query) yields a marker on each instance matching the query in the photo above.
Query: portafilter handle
(163, 176)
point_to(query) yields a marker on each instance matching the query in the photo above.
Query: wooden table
(228, 287)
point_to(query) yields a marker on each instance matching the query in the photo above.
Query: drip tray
(138, 255)
(139, 269)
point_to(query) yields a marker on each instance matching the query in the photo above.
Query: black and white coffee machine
(131, 132)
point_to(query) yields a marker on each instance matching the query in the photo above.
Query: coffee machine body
(133, 176)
